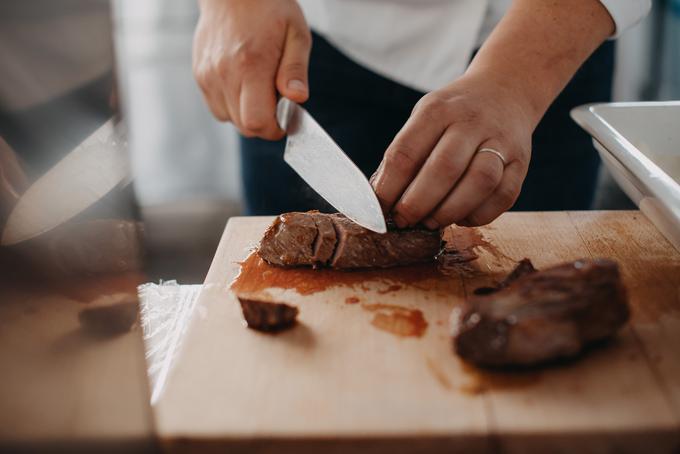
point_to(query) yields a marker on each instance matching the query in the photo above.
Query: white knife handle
(283, 112)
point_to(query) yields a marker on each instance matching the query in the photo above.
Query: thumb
(291, 79)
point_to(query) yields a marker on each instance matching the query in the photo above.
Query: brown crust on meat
(542, 315)
(316, 239)
(267, 316)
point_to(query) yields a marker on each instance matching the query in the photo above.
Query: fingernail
(297, 85)
(431, 224)
(400, 221)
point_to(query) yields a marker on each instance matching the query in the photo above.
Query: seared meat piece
(266, 316)
(326, 239)
(523, 268)
(358, 247)
(315, 239)
(290, 240)
(543, 315)
(109, 315)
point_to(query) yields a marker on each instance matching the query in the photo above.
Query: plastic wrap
(165, 311)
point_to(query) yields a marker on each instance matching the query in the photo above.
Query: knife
(323, 165)
(81, 178)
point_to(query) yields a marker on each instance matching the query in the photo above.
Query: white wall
(179, 151)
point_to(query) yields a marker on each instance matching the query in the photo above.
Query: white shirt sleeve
(626, 13)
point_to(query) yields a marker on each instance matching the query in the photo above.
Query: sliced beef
(290, 240)
(266, 316)
(315, 239)
(542, 315)
(358, 247)
(326, 239)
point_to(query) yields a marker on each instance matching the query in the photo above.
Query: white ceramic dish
(640, 144)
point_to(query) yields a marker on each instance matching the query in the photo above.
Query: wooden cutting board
(370, 366)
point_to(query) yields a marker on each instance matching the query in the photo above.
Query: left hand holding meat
(461, 157)
(463, 154)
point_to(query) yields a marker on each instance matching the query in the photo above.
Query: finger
(479, 181)
(217, 106)
(440, 173)
(226, 86)
(212, 94)
(502, 199)
(258, 105)
(407, 153)
(291, 78)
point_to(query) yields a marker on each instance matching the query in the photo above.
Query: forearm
(538, 46)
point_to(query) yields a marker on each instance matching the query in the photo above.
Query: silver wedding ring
(494, 152)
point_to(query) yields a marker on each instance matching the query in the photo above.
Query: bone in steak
(266, 316)
(332, 240)
(542, 315)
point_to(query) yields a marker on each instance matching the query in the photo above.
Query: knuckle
(442, 218)
(202, 79)
(400, 159)
(202, 75)
(475, 219)
(246, 56)
(447, 165)
(222, 68)
(524, 154)
(219, 113)
(409, 211)
(507, 196)
(302, 35)
(253, 124)
(486, 177)
(432, 106)
(295, 67)
(471, 115)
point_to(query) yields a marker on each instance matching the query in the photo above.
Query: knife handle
(283, 112)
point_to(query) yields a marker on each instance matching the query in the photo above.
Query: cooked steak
(318, 240)
(542, 315)
(290, 240)
(326, 239)
(523, 268)
(266, 316)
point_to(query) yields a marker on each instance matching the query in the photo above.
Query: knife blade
(80, 179)
(313, 154)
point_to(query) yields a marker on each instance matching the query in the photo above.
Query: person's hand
(245, 51)
(433, 172)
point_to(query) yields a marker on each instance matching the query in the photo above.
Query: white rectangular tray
(640, 145)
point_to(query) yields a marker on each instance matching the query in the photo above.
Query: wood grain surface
(339, 381)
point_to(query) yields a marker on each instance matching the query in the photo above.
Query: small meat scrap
(267, 316)
(109, 314)
(542, 315)
(332, 240)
